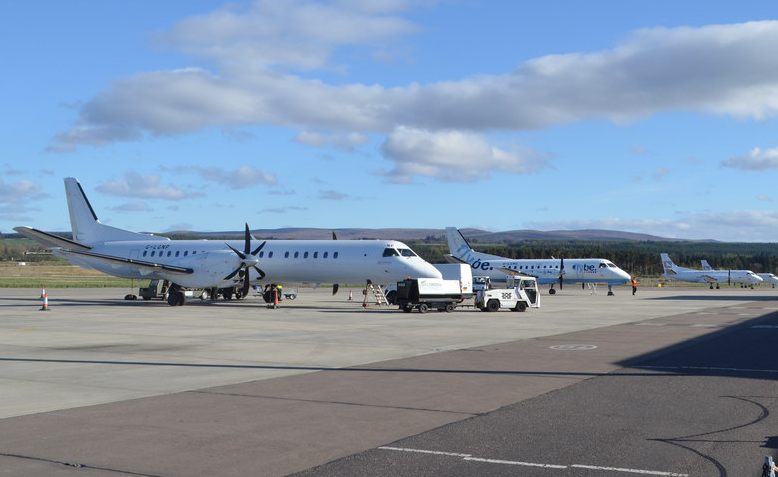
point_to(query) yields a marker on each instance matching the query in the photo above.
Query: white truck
(449, 271)
(522, 293)
(443, 294)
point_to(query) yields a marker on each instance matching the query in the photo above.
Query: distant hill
(428, 235)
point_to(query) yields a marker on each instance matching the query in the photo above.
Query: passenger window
(335, 255)
(152, 253)
(194, 252)
(270, 255)
(325, 254)
(315, 254)
(305, 255)
(145, 252)
(296, 254)
(261, 254)
(286, 254)
(186, 252)
(177, 252)
(168, 253)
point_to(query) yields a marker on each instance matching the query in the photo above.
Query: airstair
(378, 295)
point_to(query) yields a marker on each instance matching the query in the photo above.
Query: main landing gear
(610, 290)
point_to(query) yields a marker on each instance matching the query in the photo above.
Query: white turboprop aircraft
(711, 277)
(766, 277)
(547, 271)
(224, 264)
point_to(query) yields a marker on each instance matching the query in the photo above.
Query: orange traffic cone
(45, 298)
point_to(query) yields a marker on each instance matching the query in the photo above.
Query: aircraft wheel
(172, 298)
(493, 305)
(551, 291)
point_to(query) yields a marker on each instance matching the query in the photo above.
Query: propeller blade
(233, 273)
(261, 246)
(561, 272)
(729, 278)
(335, 288)
(247, 244)
(240, 254)
(261, 273)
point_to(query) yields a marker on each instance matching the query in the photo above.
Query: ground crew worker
(280, 291)
(634, 283)
(769, 468)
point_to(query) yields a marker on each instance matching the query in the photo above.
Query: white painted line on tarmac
(650, 324)
(631, 471)
(515, 462)
(470, 458)
(707, 368)
(422, 451)
(703, 325)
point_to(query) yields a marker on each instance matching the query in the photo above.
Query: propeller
(248, 259)
(561, 271)
(729, 278)
(335, 286)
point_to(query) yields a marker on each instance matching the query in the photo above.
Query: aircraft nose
(623, 275)
(424, 269)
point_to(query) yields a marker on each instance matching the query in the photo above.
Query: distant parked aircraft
(711, 277)
(548, 271)
(768, 278)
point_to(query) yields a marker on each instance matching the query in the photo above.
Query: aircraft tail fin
(667, 264)
(457, 244)
(705, 265)
(86, 228)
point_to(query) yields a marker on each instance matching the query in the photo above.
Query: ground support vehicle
(521, 294)
(426, 293)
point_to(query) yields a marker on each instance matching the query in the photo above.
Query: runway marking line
(470, 458)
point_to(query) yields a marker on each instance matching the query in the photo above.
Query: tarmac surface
(669, 382)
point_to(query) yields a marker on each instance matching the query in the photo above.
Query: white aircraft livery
(768, 278)
(547, 271)
(224, 264)
(709, 276)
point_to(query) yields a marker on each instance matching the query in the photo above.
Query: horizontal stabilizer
(151, 266)
(50, 240)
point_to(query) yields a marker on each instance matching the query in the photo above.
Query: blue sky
(644, 116)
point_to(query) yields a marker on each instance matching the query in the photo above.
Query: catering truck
(443, 294)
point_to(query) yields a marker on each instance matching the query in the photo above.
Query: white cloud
(660, 172)
(764, 198)
(757, 160)
(145, 187)
(452, 156)
(282, 210)
(345, 142)
(723, 69)
(16, 198)
(240, 178)
(332, 195)
(131, 207)
(733, 226)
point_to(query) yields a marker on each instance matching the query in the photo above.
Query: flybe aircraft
(226, 265)
(709, 276)
(547, 271)
(768, 278)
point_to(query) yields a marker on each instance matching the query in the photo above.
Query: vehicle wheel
(520, 306)
(407, 309)
(391, 296)
(423, 308)
(493, 305)
(552, 291)
(172, 298)
(181, 298)
(449, 307)
(130, 297)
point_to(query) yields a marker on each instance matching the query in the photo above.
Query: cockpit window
(602, 265)
(390, 252)
(406, 252)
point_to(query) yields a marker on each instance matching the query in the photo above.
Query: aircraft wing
(515, 273)
(452, 259)
(50, 240)
(149, 266)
